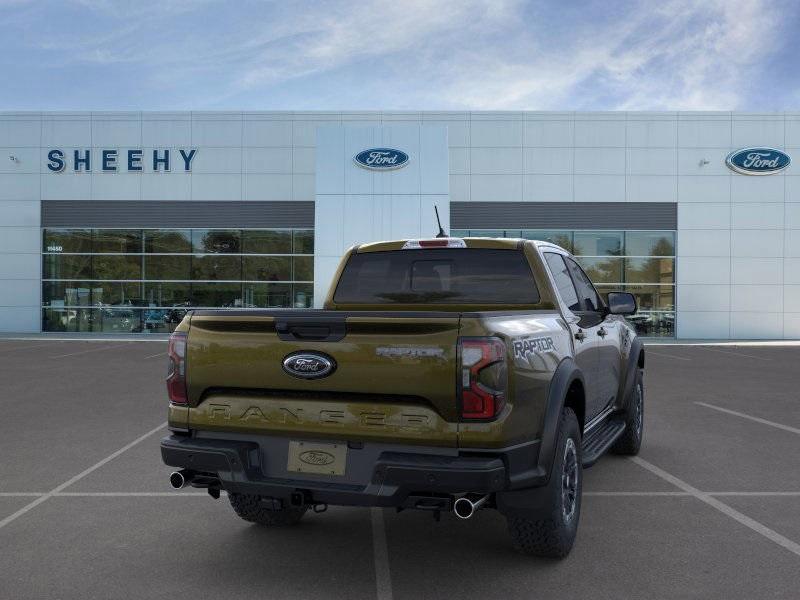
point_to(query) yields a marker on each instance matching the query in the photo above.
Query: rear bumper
(393, 478)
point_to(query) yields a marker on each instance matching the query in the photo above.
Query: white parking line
(23, 349)
(735, 353)
(383, 577)
(760, 528)
(154, 355)
(634, 494)
(665, 354)
(87, 351)
(78, 477)
(751, 418)
(754, 494)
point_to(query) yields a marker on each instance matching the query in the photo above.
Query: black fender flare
(534, 496)
(565, 374)
(626, 385)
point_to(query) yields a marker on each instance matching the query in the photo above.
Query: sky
(400, 55)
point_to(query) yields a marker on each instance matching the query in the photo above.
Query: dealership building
(120, 222)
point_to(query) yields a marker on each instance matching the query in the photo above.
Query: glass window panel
(653, 297)
(267, 268)
(655, 324)
(226, 241)
(167, 267)
(118, 320)
(303, 268)
(215, 267)
(268, 241)
(117, 267)
(167, 241)
(154, 320)
(58, 294)
(650, 243)
(459, 233)
(221, 295)
(167, 294)
(268, 295)
(649, 270)
(116, 293)
(304, 241)
(303, 295)
(496, 233)
(69, 319)
(67, 266)
(598, 243)
(67, 240)
(117, 240)
(559, 238)
(602, 270)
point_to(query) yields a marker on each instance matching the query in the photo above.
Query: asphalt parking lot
(710, 508)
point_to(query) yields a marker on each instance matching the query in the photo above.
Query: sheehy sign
(110, 161)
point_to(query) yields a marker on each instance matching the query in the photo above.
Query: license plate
(323, 459)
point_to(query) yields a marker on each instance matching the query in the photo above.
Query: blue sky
(395, 54)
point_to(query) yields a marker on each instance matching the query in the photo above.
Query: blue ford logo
(309, 365)
(381, 159)
(758, 161)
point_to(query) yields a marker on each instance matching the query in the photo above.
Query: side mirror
(621, 303)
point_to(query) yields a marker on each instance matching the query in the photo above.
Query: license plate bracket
(320, 459)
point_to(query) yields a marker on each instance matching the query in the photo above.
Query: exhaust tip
(463, 508)
(177, 480)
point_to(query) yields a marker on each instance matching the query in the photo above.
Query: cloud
(683, 56)
(444, 54)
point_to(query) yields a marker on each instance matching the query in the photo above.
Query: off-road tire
(553, 532)
(250, 508)
(631, 439)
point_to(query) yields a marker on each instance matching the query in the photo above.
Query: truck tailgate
(394, 376)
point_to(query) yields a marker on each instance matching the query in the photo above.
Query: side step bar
(600, 439)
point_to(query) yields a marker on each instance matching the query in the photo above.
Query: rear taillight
(176, 374)
(482, 379)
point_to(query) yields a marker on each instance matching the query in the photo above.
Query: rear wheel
(631, 439)
(552, 533)
(251, 508)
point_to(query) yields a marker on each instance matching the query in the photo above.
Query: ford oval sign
(381, 159)
(309, 365)
(758, 161)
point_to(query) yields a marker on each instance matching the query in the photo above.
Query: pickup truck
(445, 375)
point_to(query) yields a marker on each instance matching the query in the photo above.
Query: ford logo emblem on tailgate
(309, 365)
(316, 457)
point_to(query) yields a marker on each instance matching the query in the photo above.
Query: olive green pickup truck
(442, 375)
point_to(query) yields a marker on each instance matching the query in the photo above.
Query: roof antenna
(441, 233)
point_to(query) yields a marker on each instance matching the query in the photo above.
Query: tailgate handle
(315, 331)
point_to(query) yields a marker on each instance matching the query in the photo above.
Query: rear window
(437, 276)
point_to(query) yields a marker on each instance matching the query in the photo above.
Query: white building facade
(120, 222)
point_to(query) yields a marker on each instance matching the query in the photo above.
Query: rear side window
(566, 289)
(589, 298)
(437, 276)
